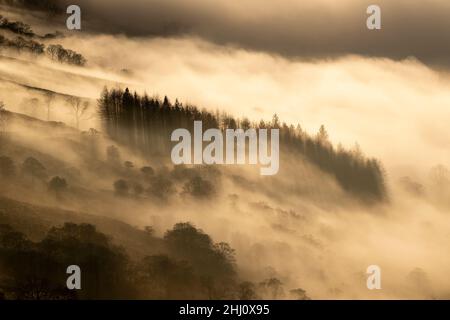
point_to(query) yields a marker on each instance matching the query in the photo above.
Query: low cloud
(314, 29)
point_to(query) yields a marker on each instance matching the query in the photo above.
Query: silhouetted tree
(161, 187)
(161, 277)
(57, 185)
(299, 294)
(121, 187)
(246, 291)
(49, 97)
(27, 272)
(104, 265)
(34, 169)
(273, 288)
(195, 269)
(79, 109)
(149, 230)
(3, 120)
(199, 187)
(322, 136)
(16, 27)
(11, 239)
(148, 172)
(60, 54)
(193, 245)
(128, 165)
(23, 45)
(275, 121)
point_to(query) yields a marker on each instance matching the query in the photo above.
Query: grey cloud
(310, 29)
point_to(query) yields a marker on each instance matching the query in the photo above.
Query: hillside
(35, 222)
(92, 173)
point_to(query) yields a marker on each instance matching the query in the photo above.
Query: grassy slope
(35, 221)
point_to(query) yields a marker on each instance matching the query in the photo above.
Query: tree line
(55, 52)
(25, 42)
(145, 124)
(191, 267)
(16, 27)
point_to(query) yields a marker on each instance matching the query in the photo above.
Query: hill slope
(35, 221)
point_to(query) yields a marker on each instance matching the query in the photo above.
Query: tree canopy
(144, 123)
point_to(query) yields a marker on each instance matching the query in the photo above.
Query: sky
(292, 28)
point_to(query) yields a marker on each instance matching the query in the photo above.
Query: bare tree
(79, 109)
(49, 96)
(53, 50)
(2, 118)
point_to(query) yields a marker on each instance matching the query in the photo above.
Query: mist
(394, 109)
(322, 29)
(352, 96)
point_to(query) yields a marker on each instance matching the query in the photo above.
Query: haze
(311, 64)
